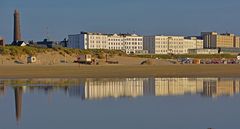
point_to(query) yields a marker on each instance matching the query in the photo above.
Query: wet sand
(117, 71)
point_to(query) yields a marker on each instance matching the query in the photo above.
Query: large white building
(130, 43)
(88, 41)
(171, 44)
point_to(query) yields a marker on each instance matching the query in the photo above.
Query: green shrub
(101, 56)
(4, 51)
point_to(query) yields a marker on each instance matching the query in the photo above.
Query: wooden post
(106, 57)
(65, 58)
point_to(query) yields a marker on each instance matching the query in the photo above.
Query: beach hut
(31, 59)
(85, 59)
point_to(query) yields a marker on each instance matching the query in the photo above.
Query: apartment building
(193, 43)
(133, 43)
(130, 43)
(86, 40)
(171, 44)
(215, 40)
(115, 42)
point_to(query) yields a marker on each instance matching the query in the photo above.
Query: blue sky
(58, 18)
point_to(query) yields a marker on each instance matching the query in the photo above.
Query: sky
(57, 19)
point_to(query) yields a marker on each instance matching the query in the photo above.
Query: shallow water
(120, 103)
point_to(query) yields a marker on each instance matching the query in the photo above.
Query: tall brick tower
(17, 32)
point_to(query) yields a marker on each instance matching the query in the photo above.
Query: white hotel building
(171, 44)
(130, 43)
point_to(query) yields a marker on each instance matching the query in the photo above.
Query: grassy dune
(129, 65)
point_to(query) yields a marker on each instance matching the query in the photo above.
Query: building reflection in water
(95, 89)
(178, 86)
(221, 87)
(2, 88)
(134, 87)
(18, 92)
(115, 88)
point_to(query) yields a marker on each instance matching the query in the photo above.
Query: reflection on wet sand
(18, 91)
(134, 87)
(95, 89)
(2, 88)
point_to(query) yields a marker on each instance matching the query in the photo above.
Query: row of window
(174, 39)
(97, 46)
(98, 41)
(133, 47)
(172, 47)
(116, 48)
(115, 39)
(133, 43)
(127, 43)
(174, 51)
(134, 39)
(169, 42)
(120, 48)
(112, 39)
(101, 37)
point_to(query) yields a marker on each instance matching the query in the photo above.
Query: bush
(29, 51)
(14, 51)
(69, 52)
(101, 56)
(4, 51)
(33, 50)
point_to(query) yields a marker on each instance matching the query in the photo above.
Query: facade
(171, 44)
(237, 42)
(74, 41)
(115, 42)
(133, 43)
(130, 43)
(87, 40)
(193, 42)
(215, 40)
(164, 44)
(203, 51)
